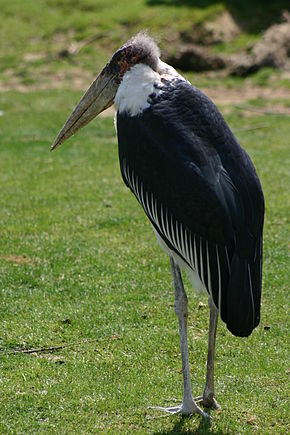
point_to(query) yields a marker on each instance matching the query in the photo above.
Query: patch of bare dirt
(16, 259)
(222, 29)
(272, 51)
(75, 78)
(32, 57)
(50, 357)
(247, 92)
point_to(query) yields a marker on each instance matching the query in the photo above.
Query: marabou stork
(195, 183)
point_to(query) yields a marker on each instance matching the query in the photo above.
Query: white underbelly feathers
(191, 273)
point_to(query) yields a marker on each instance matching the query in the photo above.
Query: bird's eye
(119, 56)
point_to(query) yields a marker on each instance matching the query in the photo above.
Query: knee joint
(180, 306)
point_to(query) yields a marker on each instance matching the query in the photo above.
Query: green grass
(80, 269)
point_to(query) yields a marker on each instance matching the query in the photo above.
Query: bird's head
(100, 95)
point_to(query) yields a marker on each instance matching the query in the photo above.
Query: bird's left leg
(208, 397)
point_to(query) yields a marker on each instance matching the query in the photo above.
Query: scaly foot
(189, 408)
(209, 401)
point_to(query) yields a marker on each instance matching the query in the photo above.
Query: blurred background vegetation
(64, 43)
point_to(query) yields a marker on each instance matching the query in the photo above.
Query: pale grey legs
(188, 406)
(208, 398)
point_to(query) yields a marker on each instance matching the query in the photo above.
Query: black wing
(201, 192)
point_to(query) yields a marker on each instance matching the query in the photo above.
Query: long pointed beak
(97, 98)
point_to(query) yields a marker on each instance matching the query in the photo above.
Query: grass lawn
(81, 272)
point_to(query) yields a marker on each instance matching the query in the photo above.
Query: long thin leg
(188, 405)
(208, 394)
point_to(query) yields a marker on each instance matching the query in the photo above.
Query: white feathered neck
(135, 88)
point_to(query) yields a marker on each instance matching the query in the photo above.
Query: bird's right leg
(188, 406)
(208, 398)
(208, 394)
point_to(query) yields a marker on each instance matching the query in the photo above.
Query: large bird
(195, 183)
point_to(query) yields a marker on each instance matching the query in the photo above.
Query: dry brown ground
(224, 96)
(80, 80)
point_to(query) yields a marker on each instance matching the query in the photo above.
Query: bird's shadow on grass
(179, 429)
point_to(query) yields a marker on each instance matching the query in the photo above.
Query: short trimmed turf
(82, 274)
